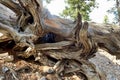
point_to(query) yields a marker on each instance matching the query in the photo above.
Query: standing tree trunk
(75, 42)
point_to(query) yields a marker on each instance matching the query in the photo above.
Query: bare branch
(12, 5)
(57, 45)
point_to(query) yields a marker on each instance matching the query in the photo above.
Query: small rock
(1, 34)
(43, 78)
(9, 58)
(37, 58)
(5, 69)
(51, 70)
(2, 77)
(48, 70)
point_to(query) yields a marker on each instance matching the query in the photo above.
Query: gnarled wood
(12, 5)
(79, 42)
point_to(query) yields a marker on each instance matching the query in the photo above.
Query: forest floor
(27, 69)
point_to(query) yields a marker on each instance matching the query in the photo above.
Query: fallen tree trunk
(75, 42)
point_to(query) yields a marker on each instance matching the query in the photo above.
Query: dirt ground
(27, 69)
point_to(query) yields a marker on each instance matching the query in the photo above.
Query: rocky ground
(108, 64)
(29, 70)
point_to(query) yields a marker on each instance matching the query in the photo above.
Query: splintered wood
(64, 59)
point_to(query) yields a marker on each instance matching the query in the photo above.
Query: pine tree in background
(75, 6)
(106, 20)
(116, 11)
(48, 1)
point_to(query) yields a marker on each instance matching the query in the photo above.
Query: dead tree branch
(79, 40)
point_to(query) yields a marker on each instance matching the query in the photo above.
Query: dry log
(49, 46)
(79, 42)
(64, 28)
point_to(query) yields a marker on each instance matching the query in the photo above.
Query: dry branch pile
(24, 25)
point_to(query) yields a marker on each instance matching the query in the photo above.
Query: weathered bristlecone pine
(26, 22)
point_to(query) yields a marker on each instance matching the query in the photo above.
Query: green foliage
(48, 1)
(75, 6)
(106, 20)
(116, 11)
